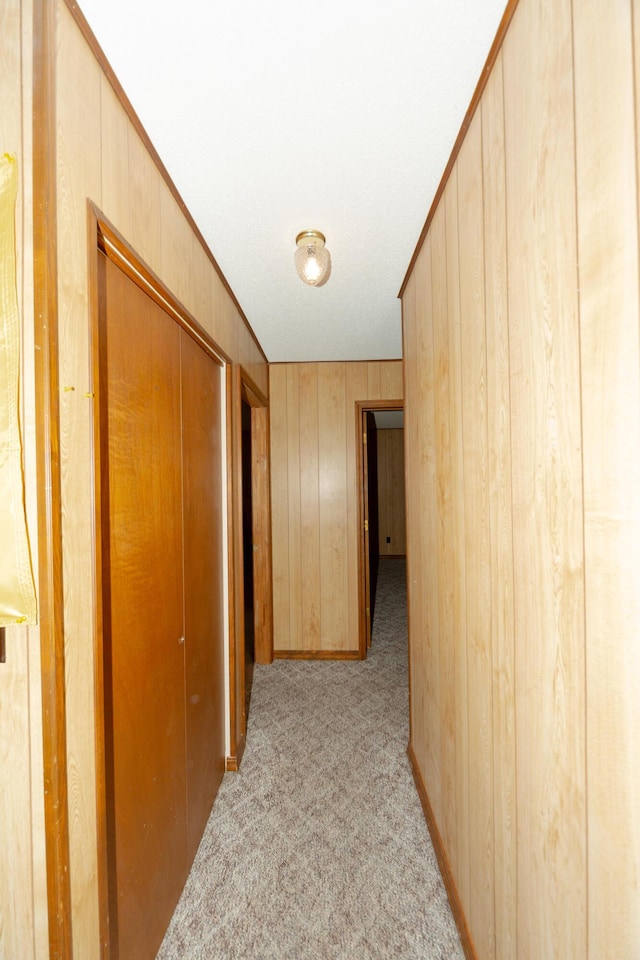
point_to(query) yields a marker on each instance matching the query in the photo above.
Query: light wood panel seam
(634, 67)
(403, 324)
(582, 481)
(446, 414)
(318, 545)
(441, 418)
(488, 518)
(288, 513)
(463, 507)
(24, 145)
(509, 348)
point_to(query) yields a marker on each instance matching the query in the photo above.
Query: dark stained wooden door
(203, 579)
(143, 617)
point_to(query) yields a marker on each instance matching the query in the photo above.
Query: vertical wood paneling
(16, 871)
(145, 192)
(547, 482)
(541, 286)
(115, 158)
(309, 506)
(427, 525)
(200, 299)
(460, 854)
(391, 380)
(102, 157)
(79, 177)
(610, 368)
(220, 309)
(261, 532)
(39, 930)
(315, 501)
(501, 536)
(477, 542)
(279, 505)
(176, 249)
(441, 387)
(22, 73)
(391, 505)
(332, 444)
(413, 485)
(17, 880)
(374, 373)
(293, 482)
(356, 388)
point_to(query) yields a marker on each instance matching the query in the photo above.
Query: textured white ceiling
(276, 117)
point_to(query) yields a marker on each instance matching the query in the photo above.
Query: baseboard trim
(232, 764)
(443, 861)
(316, 655)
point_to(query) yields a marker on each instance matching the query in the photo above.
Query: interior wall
(314, 499)
(23, 900)
(391, 519)
(522, 414)
(100, 156)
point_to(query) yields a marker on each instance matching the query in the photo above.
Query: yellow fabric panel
(17, 594)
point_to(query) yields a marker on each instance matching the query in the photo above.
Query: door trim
(48, 484)
(363, 407)
(242, 387)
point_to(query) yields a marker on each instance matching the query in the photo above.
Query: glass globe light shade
(312, 259)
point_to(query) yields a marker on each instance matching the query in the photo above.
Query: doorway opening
(380, 446)
(247, 547)
(251, 629)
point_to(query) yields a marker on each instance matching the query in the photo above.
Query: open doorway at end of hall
(382, 499)
(247, 544)
(251, 632)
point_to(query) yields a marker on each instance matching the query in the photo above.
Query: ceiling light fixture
(312, 259)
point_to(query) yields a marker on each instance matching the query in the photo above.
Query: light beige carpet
(317, 849)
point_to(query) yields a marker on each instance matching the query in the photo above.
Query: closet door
(203, 559)
(143, 615)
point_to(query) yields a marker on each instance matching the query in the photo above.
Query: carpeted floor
(317, 849)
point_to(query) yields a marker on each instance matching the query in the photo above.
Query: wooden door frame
(104, 238)
(363, 407)
(240, 386)
(48, 483)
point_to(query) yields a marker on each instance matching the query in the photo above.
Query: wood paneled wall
(100, 155)
(314, 500)
(522, 413)
(23, 896)
(391, 522)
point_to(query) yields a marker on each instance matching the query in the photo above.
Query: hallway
(318, 847)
